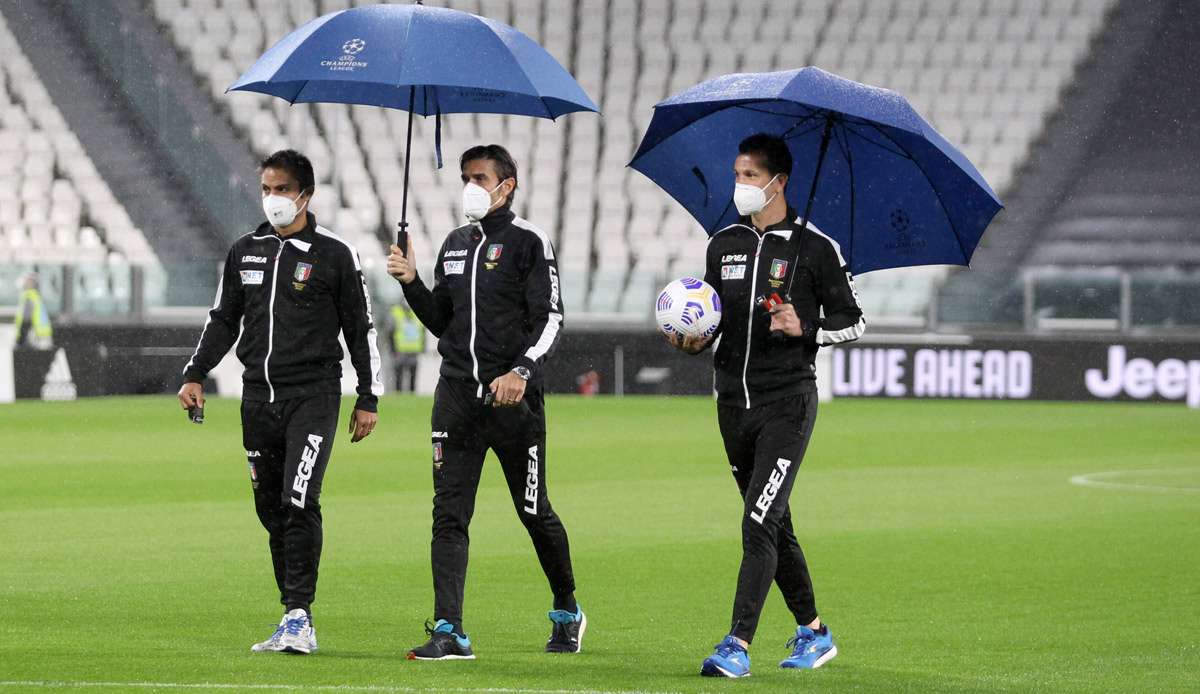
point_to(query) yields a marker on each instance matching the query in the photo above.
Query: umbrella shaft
(402, 235)
(812, 195)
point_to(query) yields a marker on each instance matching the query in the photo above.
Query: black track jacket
(743, 264)
(289, 299)
(495, 301)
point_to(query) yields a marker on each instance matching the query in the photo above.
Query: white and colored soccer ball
(688, 307)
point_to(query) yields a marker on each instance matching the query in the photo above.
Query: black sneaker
(567, 636)
(443, 644)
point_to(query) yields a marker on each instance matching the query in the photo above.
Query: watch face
(522, 372)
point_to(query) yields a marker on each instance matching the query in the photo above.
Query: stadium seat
(987, 72)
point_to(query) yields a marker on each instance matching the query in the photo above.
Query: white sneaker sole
(825, 658)
(582, 629)
(265, 648)
(445, 657)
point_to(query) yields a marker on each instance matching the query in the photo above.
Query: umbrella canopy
(425, 60)
(876, 177)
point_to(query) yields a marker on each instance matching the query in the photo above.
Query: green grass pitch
(949, 548)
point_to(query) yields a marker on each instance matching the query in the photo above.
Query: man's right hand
(191, 395)
(691, 344)
(402, 266)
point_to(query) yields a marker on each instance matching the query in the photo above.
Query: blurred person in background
(289, 288)
(496, 309)
(408, 344)
(32, 320)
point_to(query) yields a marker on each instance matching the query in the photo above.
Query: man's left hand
(509, 389)
(784, 318)
(362, 423)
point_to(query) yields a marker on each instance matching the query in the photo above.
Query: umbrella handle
(402, 239)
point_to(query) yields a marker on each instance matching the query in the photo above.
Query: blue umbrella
(426, 60)
(868, 170)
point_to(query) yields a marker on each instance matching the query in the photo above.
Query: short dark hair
(296, 164)
(771, 151)
(502, 161)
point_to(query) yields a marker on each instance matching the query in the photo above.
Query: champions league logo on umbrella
(904, 243)
(348, 61)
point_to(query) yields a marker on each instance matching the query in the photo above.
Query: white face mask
(750, 199)
(281, 211)
(477, 201)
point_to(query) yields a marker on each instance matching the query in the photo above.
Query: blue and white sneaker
(810, 649)
(566, 636)
(299, 635)
(729, 660)
(271, 644)
(443, 644)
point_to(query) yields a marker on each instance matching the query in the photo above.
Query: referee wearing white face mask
(289, 288)
(496, 308)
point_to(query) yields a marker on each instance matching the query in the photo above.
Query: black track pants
(765, 446)
(463, 430)
(287, 445)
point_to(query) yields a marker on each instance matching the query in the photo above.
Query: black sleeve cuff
(367, 403)
(534, 369)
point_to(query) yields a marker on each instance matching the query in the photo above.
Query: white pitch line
(1099, 480)
(64, 684)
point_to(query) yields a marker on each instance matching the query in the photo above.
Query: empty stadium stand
(55, 207)
(986, 73)
(1110, 193)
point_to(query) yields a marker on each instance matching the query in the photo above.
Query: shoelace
(277, 634)
(797, 642)
(295, 626)
(726, 649)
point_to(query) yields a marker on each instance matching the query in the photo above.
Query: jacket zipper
(750, 316)
(271, 322)
(474, 273)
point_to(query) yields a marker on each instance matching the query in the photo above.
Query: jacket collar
(497, 220)
(301, 239)
(784, 227)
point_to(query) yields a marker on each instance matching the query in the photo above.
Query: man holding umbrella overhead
(496, 308)
(786, 291)
(893, 193)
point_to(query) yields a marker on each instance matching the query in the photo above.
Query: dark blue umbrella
(868, 170)
(426, 60)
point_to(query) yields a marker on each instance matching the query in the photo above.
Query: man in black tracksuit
(496, 308)
(289, 288)
(766, 387)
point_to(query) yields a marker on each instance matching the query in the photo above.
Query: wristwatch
(523, 372)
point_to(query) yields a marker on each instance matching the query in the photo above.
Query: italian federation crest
(778, 269)
(303, 272)
(494, 251)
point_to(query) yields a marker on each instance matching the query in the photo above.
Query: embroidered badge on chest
(493, 254)
(303, 272)
(778, 272)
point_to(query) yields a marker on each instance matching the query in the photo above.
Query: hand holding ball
(688, 311)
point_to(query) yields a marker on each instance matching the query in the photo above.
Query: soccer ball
(688, 307)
